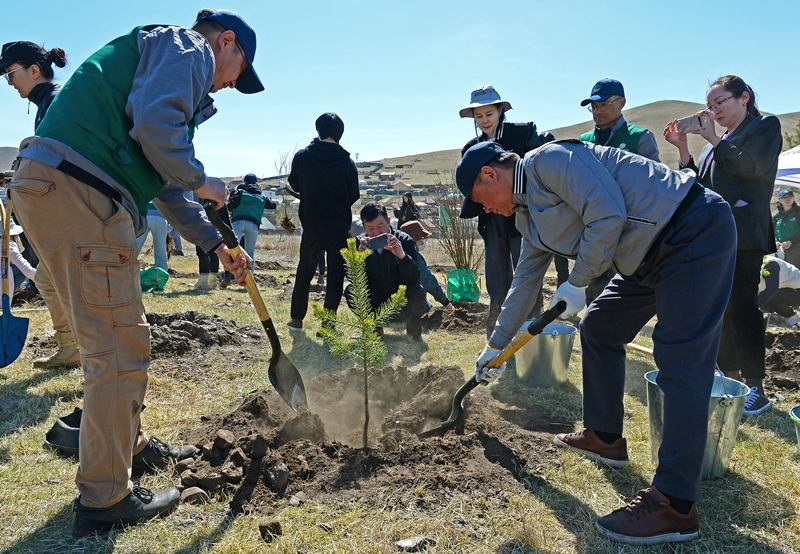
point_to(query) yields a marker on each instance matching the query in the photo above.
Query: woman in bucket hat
(501, 239)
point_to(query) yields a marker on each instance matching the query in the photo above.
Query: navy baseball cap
(248, 82)
(605, 89)
(784, 192)
(22, 50)
(467, 169)
(251, 178)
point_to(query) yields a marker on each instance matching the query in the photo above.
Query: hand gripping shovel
(14, 329)
(536, 327)
(282, 373)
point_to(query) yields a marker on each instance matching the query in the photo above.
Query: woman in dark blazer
(740, 166)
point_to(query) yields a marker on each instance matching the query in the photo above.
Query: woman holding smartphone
(741, 166)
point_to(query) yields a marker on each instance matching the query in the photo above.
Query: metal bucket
(544, 360)
(725, 409)
(794, 413)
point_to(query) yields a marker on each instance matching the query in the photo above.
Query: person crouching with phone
(390, 265)
(740, 166)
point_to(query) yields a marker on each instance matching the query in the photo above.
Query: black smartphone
(378, 242)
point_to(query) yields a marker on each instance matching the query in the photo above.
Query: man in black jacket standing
(391, 265)
(327, 182)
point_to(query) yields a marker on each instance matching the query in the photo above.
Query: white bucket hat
(483, 97)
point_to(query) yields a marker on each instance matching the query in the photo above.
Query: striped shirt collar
(498, 133)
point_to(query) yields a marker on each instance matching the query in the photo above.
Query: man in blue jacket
(672, 245)
(120, 128)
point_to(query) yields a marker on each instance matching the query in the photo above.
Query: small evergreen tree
(792, 140)
(354, 333)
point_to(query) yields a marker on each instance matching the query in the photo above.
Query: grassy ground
(752, 509)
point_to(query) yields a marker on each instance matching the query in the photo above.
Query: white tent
(789, 169)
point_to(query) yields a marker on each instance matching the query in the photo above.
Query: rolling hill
(653, 116)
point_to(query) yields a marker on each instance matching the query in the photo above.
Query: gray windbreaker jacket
(594, 204)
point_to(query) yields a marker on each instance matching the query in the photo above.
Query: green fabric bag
(462, 284)
(153, 278)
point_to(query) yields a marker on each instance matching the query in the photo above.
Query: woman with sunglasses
(29, 68)
(741, 166)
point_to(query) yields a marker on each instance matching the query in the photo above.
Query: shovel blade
(15, 331)
(283, 375)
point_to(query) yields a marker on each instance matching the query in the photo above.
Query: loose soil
(177, 334)
(783, 360)
(466, 317)
(262, 452)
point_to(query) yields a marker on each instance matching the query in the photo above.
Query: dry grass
(752, 509)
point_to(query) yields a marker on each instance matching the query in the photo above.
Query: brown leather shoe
(586, 443)
(648, 519)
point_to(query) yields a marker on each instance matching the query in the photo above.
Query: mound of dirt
(316, 292)
(179, 333)
(30, 295)
(269, 281)
(269, 265)
(783, 360)
(263, 452)
(466, 317)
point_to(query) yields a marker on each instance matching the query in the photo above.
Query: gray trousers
(685, 281)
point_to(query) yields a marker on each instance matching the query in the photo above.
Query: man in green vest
(611, 129)
(119, 129)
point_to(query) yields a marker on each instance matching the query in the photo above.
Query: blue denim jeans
(250, 232)
(157, 226)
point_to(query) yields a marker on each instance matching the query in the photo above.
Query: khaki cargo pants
(85, 242)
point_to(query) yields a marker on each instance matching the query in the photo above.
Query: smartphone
(378, 242)
(691, 123)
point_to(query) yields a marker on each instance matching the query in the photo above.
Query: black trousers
(416, 306)
(209, 263)
(311, 247)
(783, 302)
(742, 345)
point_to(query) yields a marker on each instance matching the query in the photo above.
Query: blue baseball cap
(603, 90)
(251, 178)
(248, 82)
(467, 169)
(784, 192)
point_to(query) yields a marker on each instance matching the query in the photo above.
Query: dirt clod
(270, 529)
(179, 333)
(783, 360)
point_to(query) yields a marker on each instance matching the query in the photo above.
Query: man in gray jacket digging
(672, 244)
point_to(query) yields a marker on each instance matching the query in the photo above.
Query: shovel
(14, 329)
(282, 373)
(536, 327)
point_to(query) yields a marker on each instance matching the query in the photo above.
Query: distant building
(387, 176)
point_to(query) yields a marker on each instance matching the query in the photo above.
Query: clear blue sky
(397, 72)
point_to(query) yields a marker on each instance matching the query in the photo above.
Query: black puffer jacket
(327, 181)
(385, 272)
(519, 138)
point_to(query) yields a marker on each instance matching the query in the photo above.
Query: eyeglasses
(594, 106)
(717, 106)
(7, 74)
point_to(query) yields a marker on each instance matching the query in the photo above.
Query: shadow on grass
(55, 535)
(776, 421)
(19, 408)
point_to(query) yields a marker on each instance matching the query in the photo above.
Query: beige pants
(85, 242)
(45, 287)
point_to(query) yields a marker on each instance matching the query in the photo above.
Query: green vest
(626, 138)
(88, 115)
(251, 206)
(786, 227)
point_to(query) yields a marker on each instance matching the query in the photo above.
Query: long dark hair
(736, 86)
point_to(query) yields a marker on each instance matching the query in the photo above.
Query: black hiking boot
(157, 455)
(138, 507)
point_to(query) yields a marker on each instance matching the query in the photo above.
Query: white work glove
(483, 374)
(575, 297)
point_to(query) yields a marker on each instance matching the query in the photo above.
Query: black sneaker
(139, 506)
(157, 455)
(756, 402)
